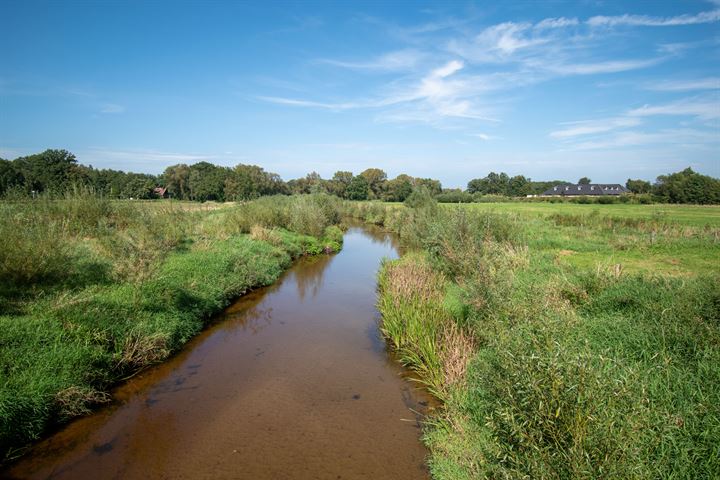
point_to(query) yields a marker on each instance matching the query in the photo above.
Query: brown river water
(293, 381)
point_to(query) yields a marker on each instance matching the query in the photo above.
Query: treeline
(57, 171)
(686, 186)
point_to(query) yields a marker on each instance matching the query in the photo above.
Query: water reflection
(309, 277)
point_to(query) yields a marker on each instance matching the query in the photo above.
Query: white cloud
(560, 22)
(674, 137)
(648, 21)
(141, 155)
(111, 108)
(712, 83)
(398, 60)
(705, 108)
(507, 37)
(589, 127)
(612, 66)
(447, 69)
(482, 136)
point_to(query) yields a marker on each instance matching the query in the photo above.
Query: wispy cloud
(143, 155)
(451, 73)
(560, 22)
(703, 107)
(637, 139)
(482, 136)
(712, 83)
(648, 21)
(438, 94)
(399, 60)
(613, 66)
(111, 108)
(588, 127)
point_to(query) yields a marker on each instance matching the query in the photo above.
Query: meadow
(566, 341)
(94, 290)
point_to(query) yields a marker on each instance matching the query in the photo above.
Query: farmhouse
(592, 189)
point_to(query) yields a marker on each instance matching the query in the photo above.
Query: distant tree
(10, 176)
(207, 182)
(687, 186)
(358, 188)
(311, 183)
(54, 170)
(584, 181)
(494, 183)
(339, 183)
(245, 182)
(139, 186)
(177, 179)
(376, 181)
(638, 186)
(433, 186)
(518, 186)
(398, 189)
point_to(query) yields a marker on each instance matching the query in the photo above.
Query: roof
(592, 189)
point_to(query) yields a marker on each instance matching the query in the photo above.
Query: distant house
(160, 192)
(592, 189)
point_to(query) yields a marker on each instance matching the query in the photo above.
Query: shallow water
(292, 382)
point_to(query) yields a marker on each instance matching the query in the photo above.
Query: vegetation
(91, 290)
(554, 367)
(57, 172)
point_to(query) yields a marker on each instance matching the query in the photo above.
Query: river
(292, 381)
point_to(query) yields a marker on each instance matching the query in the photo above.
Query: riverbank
(296, 372)
(550, 368)
(95, 290)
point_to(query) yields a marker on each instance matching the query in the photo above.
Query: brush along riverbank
(553, 369)
(94, 290)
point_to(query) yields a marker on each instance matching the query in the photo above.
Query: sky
(450, 90)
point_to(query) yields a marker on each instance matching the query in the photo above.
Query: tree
(177, 179)
(376, 181)
(584, 181)
(207, 182)
(54, 170)
(245, 182)
(10, 176)
(494, 184)
(433, 186)
(139, 186)
(638, 186)
(518, 186)
(339, 183)
(398, 189)
(358, 188)
(688, 186)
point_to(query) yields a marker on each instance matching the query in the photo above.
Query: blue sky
(450, 90)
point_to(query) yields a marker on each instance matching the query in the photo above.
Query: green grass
(94, 290)
(559, 365)
(690, 215)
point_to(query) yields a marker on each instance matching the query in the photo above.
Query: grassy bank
(94, 290)
(557, 369)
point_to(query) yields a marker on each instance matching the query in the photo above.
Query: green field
(566, 341)
(690, 215)
(656, 239)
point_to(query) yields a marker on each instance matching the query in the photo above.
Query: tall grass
(92, 289)
(562, 372)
